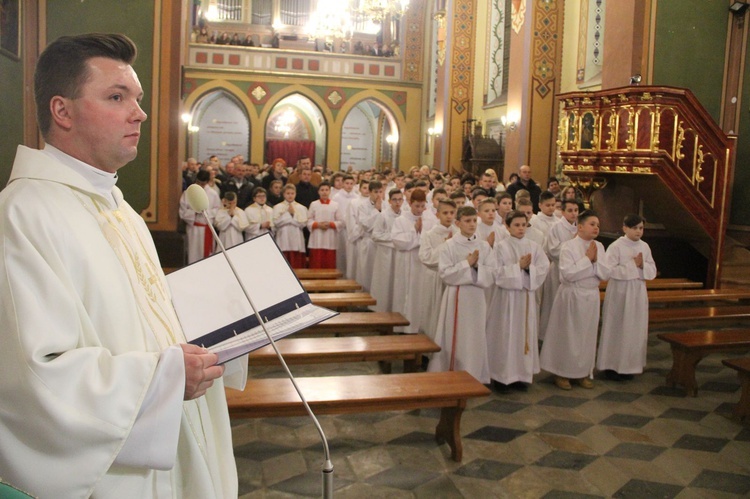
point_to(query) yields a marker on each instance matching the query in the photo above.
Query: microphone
(198, 201)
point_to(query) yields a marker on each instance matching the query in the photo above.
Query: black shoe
(614, 375)
(520, 386)
(627, 377)
(500, 387)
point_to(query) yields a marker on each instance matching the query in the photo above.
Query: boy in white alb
(430, 214)
(504, 206)
(564, 230)
(569, 348)
(487, 230)
(429, 252)
(368, 213)
(259, 215)
(230, 221)
(343, 198)
(323, 219)
(289, 218)
(466, 267)
(525, 206)
(200, 242)
(405, 234)
(381, 287)
(353, 229)
(545, 219)
(512, 320)
(622, 343)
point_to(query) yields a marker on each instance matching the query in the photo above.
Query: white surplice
(432, 285)
(256, 216)
(196, 229)
(560, 232)
(463, 310)
(366, 217)
(624, 335)
(513, 315)
(569, 348)
(319, 212)
(353, 235)
(231, 229)
(381, 287)
(342, 198)
(289, 234)
(85, 326)
(543, 222)
(406, 290)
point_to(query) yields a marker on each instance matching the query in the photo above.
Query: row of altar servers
(384, 252)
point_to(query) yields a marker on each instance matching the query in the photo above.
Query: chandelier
(379, 10)
(330, 21)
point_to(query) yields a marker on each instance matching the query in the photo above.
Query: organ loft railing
(646, 135)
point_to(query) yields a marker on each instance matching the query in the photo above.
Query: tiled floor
(635, 439)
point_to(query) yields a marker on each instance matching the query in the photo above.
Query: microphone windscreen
(197, 198)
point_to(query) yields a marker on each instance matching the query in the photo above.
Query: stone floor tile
(626, 420)
(308, 484)
(683, 414)
(719, 386)
(495, 434)
(564, 427)
(725, 482)
(566, 443)
(566, 460)
(487, 470)
(618, 396)
(563, 401)
(502, 406)
(562, 494)
(403, 478)
(642, 452)
(696, 442)
(642, 489)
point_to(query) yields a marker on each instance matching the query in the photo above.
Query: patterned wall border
(545, 45)
(414, 39)
(462, 57)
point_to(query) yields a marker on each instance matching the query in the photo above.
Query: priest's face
(102, 126)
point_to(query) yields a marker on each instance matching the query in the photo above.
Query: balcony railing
(286, 61)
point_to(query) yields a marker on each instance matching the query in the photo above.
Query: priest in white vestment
(93, 365)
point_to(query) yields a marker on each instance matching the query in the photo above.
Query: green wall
(134, 18)
(11, 111)
(689, 46)
(740, 214)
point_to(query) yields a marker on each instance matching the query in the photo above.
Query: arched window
(219, 126)
(369, 137)
(296, 127)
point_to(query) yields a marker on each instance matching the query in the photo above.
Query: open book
(214, 312)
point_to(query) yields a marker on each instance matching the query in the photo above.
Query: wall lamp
(510, 121)
(433, 132)
(738, 7)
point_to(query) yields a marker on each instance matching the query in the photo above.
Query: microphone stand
(327, 470)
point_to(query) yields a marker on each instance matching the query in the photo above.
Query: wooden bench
(330, 285)
(367, 393)
(665, 283)
(671, 296)
(338, 301)
(358, 323)
(688, 348)
(318, 274)
(711, 315)
(408, 347)
(742, 366)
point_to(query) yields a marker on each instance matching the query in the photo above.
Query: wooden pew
(318, 274)
(665, 283)
(408, 347)
(358, 323)
(664, 296)
(330, 285)
(339, 301)
(742, 366)
(699, 315)
(367, 393)
(688, 348)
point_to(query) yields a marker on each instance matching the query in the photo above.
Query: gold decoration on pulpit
(656, 117)
(680, 140)
(612, 132)
(698, 167)
(587, 186)
(630, 141)
(562, 126)
(646, 97)
(606, 100)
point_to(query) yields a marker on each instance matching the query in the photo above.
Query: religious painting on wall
(10, 28)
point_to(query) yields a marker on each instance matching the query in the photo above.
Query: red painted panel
(217, 59)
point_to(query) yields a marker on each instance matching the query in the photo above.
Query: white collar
(103, 182)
